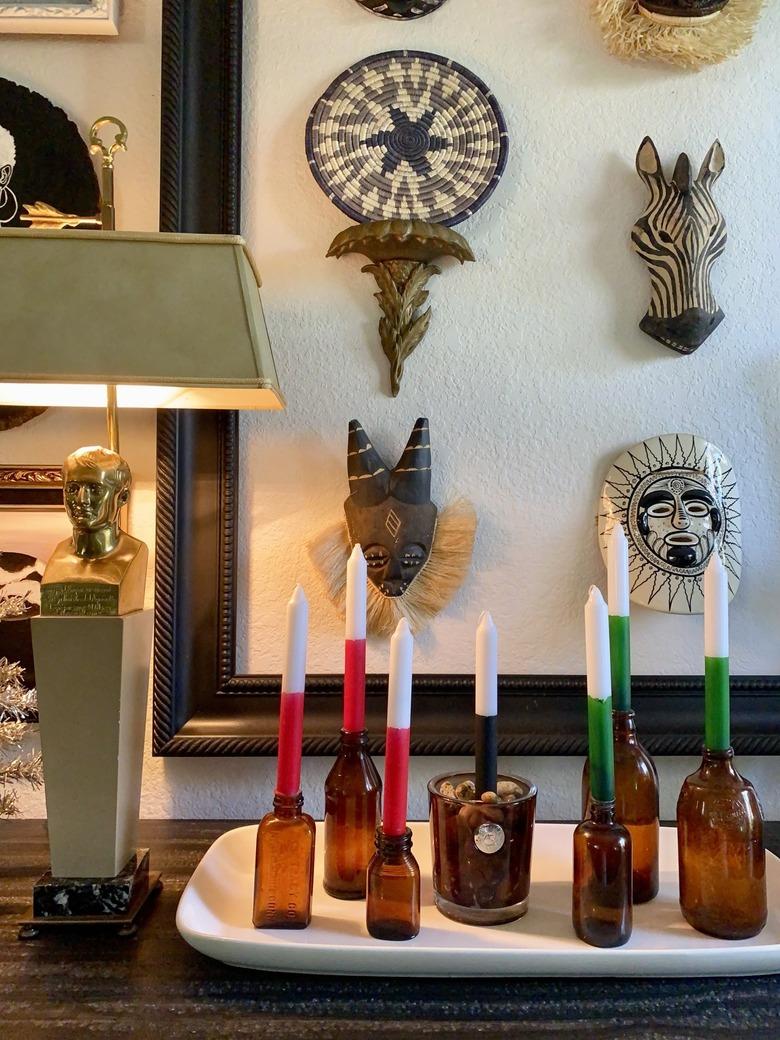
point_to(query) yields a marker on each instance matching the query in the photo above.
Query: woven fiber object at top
(401, 9)
(407, 135)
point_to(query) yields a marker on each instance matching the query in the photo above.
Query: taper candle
(355, 644)
(717, 722)
(399, 716)
(619, 621)
(600, 749)
(288, 775)
(486, 704)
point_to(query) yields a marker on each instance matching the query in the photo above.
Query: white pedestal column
(92, 677)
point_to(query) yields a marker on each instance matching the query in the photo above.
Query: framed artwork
(32, 523)
(79, 17)
(45, 171)
(203, 704)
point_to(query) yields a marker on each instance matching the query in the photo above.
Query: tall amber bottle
(393, 888)
(284, 865)
(601, 901)
(636, 802)
(721, 850)
(353, 794)
(602, 912)
(720, 828)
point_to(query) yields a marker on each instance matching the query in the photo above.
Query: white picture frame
(83, 18)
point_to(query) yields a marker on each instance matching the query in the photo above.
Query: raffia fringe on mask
(629, 34)
(431, 590)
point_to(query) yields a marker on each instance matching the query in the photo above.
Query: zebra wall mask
(680, 236)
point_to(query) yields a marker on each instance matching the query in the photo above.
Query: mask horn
(682, 174)
(368, 476)
(410, 481)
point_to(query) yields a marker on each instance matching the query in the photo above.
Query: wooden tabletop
(87, 984)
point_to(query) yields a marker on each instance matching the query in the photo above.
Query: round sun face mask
(677, 498)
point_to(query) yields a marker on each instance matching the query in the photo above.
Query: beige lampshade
(173, 321)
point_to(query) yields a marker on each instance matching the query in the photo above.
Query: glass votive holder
(481, 849)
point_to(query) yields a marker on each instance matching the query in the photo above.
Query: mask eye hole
(377, 557)
(660, 509)
(666, 237)
(413, 556)
(697, 508)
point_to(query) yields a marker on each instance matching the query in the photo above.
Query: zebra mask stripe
(680, 236)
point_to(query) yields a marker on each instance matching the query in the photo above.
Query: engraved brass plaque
(80, 599)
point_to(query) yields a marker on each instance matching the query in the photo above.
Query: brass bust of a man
(100, 571)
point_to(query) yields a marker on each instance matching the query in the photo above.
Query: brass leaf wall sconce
(402, 254)
(407, 144)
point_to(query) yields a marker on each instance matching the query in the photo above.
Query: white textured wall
(534, 374)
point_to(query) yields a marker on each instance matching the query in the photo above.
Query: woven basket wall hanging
(407, 135)
(401, 9)
(407, 144)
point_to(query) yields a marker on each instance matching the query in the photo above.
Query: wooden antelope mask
(389, 512)
(680, 236)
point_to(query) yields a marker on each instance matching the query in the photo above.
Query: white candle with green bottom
(602, 880)
(636, 779)
(720, 826)
(619, 620)
(717, 710)
(600, 747)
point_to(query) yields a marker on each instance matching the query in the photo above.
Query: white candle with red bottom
(355, 644)
(399, 714)
(288, 776)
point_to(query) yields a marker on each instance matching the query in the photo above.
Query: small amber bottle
(393, 888)
(721, 850)
(601, 908)
(636, 803)
(353, 793)
(284, 865)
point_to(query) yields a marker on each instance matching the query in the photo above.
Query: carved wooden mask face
(389, 512)
(680, 236)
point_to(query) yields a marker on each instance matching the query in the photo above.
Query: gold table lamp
(186, 330)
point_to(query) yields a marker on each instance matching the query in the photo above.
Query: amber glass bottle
(721, 850)
(636, 803)
(284, 866)
(353, 794)
(601, 908)
(393, 888)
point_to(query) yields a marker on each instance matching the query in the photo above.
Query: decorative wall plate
(407, 135)
(401, 9)
(677, 498)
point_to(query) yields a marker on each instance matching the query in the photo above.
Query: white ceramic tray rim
(215, 917)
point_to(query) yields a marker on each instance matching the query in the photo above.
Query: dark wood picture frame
(201, 705)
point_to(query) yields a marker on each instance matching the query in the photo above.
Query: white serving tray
(215, 916)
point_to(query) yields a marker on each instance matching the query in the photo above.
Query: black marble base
(93, 897)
